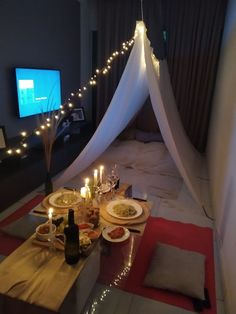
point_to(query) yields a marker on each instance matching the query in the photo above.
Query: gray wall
(36, 33)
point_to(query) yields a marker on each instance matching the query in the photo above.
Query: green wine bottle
(72, 249)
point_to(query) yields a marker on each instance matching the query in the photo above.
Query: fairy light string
(54, 117)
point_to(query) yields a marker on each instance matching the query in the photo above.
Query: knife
(134, 230)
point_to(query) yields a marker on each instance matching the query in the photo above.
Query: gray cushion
(177, 270)
(24, 227)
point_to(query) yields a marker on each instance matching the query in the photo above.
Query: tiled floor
(110, 300)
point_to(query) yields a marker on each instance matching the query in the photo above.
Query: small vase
(48, 184)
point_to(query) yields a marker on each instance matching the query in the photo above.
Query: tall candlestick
(83, 192)
(86, 181)
(50, 211)
(95, 177)
(101, 174)
(88, 193)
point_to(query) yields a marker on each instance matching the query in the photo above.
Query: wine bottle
(72, 250)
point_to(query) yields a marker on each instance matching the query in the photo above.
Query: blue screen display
(38, 90)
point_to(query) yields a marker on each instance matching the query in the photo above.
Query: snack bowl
(42, 232)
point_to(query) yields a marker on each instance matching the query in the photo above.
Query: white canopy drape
(143, 75)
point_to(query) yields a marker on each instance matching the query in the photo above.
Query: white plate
(52, 199)
(109, 229)
(138, 208)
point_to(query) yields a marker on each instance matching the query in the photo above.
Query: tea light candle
(95, 177)
(101, 174)
(50, 211)
(83, 191)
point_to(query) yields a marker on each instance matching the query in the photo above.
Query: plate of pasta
(124, 209)
(64, 199)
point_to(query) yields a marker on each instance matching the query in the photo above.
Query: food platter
(64, 199)
(108, 229)
(124, 209)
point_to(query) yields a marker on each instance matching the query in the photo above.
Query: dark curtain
(192, 31)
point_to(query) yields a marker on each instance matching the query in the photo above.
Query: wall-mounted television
(38, 90)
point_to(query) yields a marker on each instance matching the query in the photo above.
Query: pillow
(24, 227)
(147, 137)
(177, 270)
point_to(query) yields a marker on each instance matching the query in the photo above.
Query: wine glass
(113, 179)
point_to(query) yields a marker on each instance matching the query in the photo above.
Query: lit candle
(83, 191)
(88, 193)
(50, 211)
(101, 174)
(86, 181)
(95, 177)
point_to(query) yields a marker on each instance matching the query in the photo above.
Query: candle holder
(51, 240)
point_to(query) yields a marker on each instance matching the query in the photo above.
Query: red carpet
(185, 236)
(8, 243)
(117, 258)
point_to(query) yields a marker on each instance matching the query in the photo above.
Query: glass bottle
(72, 249)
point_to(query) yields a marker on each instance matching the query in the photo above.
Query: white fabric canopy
(143, 75)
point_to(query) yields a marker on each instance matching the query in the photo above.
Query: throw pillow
(177, 270)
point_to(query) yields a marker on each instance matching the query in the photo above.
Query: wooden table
(41, 277)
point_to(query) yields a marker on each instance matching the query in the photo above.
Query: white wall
(222, 157)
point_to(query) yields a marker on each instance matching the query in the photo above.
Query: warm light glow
(9, 151)
(37, 132)
(70, 105)
(23, 133)
(18, 150)
(95, 177)
(42, 127)
(50, 212)
(24, 145)
(83, 192)
(86, 181)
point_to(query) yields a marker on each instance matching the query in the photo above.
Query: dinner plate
(108, 229)
(110, 208)
(69, 198)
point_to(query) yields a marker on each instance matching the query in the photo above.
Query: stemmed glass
(113, 179)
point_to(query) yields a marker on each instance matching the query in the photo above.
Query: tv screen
(38, 90)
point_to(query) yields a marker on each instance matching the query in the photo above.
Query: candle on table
(101, 174)
(95, 177)
(83, 191)
(50, 211)
(86, 182)
(88, 193)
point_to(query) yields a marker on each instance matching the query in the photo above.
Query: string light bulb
(68, 105)
(24, 133)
